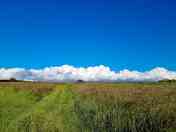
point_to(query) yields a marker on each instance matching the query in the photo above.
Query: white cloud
(67, 73)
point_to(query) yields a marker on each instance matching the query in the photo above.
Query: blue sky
(132, 34)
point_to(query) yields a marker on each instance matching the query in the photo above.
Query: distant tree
(13, 79)
(80, 81)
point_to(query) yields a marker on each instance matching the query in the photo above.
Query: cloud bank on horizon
(67, 73)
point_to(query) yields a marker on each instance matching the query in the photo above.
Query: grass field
(87, 107)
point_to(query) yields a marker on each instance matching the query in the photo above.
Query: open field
(87, 107)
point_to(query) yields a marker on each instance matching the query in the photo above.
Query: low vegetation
(87, 107)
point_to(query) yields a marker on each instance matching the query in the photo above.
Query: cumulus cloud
(67, 73)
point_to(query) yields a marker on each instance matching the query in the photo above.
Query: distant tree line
(168, 81)
(9, 80)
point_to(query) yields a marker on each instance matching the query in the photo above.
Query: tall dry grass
(88, 108)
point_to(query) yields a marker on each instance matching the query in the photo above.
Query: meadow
(87, 107)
